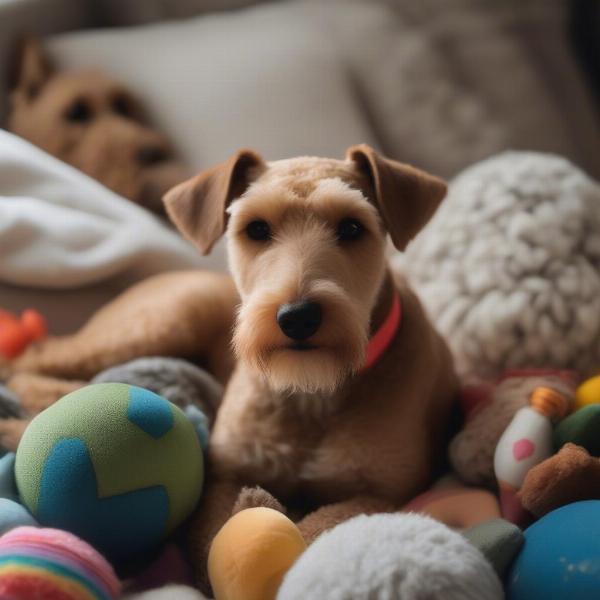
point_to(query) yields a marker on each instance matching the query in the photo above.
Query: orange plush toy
(16, 333)
(251, 554)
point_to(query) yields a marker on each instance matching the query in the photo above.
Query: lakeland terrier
(341, 393)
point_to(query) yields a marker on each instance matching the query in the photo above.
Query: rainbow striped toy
(48, 564)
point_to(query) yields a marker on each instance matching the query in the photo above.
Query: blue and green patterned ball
(115, 464)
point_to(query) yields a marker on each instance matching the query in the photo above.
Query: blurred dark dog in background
(93, 122)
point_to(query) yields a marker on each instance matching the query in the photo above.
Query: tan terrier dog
(342, 390)
(315, 412)
(340, 400)
(94, 123)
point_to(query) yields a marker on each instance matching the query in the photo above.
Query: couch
(436, 83)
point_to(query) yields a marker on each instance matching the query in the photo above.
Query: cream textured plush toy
(509, 267)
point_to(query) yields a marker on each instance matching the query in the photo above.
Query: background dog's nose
(299, 320)
(150, 155)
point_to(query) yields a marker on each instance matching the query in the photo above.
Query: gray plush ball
(175, 379)
(9, 404)
(401, 556)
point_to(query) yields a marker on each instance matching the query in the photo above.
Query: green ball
(582, 428)
(115, 464)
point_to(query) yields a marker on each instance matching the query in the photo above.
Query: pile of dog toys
(70, 502)
(534, 436)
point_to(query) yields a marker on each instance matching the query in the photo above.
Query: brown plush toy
(93, 122)
(569, 476)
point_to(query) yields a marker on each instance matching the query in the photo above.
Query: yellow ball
(588, 393)
(252, 553)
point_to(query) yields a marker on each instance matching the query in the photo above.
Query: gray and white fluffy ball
(401, 556)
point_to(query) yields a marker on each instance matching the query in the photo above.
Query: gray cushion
(262, 77)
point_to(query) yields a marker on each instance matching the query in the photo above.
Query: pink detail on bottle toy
(523, 449)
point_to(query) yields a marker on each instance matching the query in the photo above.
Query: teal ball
(12, 515)
(561, 556)
(115, 464)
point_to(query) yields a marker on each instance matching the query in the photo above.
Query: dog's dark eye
(79, 112)
(33, 90)
(349, 230)
(258, 230)
(122, 106)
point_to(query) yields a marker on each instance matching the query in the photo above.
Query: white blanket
(61, 230)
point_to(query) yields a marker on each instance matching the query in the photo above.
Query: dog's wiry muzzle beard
(335, 351)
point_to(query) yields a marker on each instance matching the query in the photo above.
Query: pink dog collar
(383, 337)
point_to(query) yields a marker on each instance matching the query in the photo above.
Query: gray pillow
(263, 77)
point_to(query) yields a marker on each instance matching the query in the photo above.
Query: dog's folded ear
(30, 68)
(198, 206)
(405, 197)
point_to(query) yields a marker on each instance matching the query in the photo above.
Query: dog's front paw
(38, 392)
(28, 361)
(6, 369)
(254, 498)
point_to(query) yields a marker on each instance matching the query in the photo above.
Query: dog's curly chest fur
(270, 441)
(321, 446)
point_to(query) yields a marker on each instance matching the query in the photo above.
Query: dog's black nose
(151, 155)
(299, 320)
